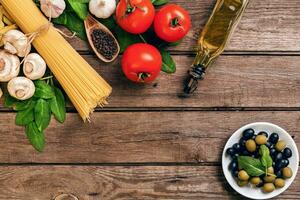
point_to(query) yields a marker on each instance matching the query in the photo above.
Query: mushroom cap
(9, 66)
(34, 66)
(16, 42)
(21, 88)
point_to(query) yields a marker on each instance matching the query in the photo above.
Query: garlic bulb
(34, 66)
(16, 42)
(9, 66)
(53, 8)
(102, 8)
(21, 88)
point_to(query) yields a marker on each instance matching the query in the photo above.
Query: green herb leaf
(125, 39)
(159, 2)
(169, 65)
(42, 114)
(26, 116)
(58, 105)
(81, 9)
(36, 137)
(22, 105)
(266, 159)
(251, 165)
(43, 90)
(9, 101)
(72, 22)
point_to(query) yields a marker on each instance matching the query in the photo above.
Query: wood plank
(233, 81)
(91, 183)
(270, 25)
(136, 137)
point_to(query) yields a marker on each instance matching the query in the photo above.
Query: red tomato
(172, 23)
(135, 16)
(141, 62)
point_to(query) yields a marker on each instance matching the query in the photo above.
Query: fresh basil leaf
(251, 165)
(26, 116)
(43, 90)
(42, 114)
(22, 105)
(159, 2)
(266, 159)
(35, 137)
(58, 105)
(81, 9)
(125, 39)
(172, 44)
(110, 22)
(72, 22)
(9, 101)
(168, 65)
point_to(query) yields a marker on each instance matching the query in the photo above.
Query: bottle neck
(203, 58)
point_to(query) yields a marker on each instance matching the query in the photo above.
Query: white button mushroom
(34, 66)
(21, 88)
(53, 8)
(16, 42)
(9, 66)
(102, 8)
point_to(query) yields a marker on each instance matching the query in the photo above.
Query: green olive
(268, 187)
(279, 182)
(270, 170)
(243, 176)
(261, 139)
(250, 145)
(269, 179)
(280, 145)
(242, 183)
(287, 172)
(255, 180)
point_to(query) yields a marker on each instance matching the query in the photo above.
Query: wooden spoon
(91, 24)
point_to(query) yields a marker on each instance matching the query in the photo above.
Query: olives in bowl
(260, 160)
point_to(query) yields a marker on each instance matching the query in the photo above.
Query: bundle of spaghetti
(83, 85)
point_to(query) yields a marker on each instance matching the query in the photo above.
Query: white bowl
(251, 191)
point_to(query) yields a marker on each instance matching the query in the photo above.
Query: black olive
(245, 153)
(248, 133)
(273, 152)
(260, 184)
(278, 157)
(263, 133)
(279, 165)
(235, 156)
(237, 147)
(242, 142)
(287, 153)
(269, 145)
(235, 173)
(286, 162)
(274, 138)
(230, 151)
(233, 166)
(279, 174)
(256, 153)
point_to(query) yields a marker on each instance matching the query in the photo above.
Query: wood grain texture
(136, 137)
(269, 25)
(233, 81)
(107, 183)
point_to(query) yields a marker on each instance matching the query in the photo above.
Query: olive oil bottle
(214, 37)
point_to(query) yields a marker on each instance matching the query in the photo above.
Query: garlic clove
(53, 8)
(102, 8)
(21, 88)
(34, 66)
(9, 66)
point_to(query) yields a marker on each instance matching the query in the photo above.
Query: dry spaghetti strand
(84, 86)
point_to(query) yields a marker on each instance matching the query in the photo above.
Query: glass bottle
(214, 37)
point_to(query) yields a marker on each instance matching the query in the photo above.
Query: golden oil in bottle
(214, 37)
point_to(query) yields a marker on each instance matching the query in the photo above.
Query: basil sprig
(254, 166)
(35, 113)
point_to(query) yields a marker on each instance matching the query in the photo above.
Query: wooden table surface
(149, 143)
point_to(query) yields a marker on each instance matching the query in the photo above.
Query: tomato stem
(143, 75)
(142, 38)
(175, 22)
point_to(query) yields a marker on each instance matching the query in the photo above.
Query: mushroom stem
(2, 64)
(28, 67)
(20, 93)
